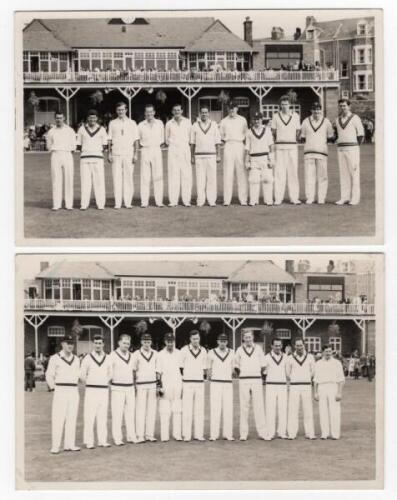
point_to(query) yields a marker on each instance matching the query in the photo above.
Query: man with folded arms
(328, 384)
(62, 377)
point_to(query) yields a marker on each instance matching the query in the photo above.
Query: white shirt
(178, 134)
(233, 129)
(286, 127)
(62, 370)
(151, 135)
(316, 134)
(250, 361)
(330, 371)
(61, 139)
(300, 368)
(122, 370)
(193, 362)
(96, 370)
(348, 129)
(205, 136)
(276, 368)
(92, 141)
(144, 364)
(221, 364)
(168, 365)
(258, 141)
(123, 132)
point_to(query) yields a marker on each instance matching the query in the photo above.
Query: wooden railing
(191, 307)
(182, 76)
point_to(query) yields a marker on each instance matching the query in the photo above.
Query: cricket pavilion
(76, 64)
(111, 298)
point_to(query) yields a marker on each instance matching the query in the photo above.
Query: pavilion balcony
(184, 77)
(199, 307)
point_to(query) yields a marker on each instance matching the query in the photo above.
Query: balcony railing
(192, 307)
(182, 76)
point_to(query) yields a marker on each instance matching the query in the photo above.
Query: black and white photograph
(199, 371)
(199, 126)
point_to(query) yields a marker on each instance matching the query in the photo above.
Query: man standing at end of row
(349, 135)
(285, 128)
(177, 138)
(61, 142)
(123, 154)
(233, 130)
(220, 371)
(62, 377)
(316, 132)
(328, 383)
(205, 143)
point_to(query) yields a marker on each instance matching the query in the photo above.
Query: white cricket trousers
(296, 393)
(251, 388)
(349, 173)
(286, 172)
(179, 174)
(276, 403)
(330, 410)
(146, 404)
(221, 401)
(151, 167)
(193, 404)
(123, 407)
(206, 179)
(171, 403)
(260, 175)
(65, 405)
(62, 166)
(233, 159)
(316, 171)
(123, 180)
(92, 173)
(96, 402)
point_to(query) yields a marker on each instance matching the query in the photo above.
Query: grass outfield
(233, 221)
(350, 458)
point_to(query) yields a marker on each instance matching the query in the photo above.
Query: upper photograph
(184, 128)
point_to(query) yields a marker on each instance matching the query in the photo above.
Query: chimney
(310, 20)
(248, 31)
(290, 266)
(277, 33)
(297, 34)
(44, 265)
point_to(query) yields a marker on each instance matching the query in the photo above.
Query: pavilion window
(66, 290)
(105, 290)
(118, 290)
(86, 289)
(140, 289)
(194, 289)
(63, 62)
(150, 292)
(182, 289)
(150, 60)
(96, 63)
(96, 289)
(56, 289)
(118, 61)
(193, 61)
(204, 292)
(161, 292)
(161, 61)
(48, 289)
(107, 63)
(139, 60)
(44, 61)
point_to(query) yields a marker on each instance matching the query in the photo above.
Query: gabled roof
(218, 37)
(260, 272)
(78, 270)
(160, 32)
(341, 28)
(37, 36)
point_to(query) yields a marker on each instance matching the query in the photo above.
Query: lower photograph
(199, 371)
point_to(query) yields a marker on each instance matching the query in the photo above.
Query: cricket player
(193, 365)
(276, 391)
(249, 364)
(62, 377)
(123, 392)
(220, 371)
(177, 138)
(285, 127)
(151, 138)
(233, 130)
(300, 371)
(123, 147)
(316, 132)
(144, 363)
(92, 140)
(259, 161)
(169, 375)
(61, 142)
(205, 143)
(329, 380)
(96, 372)
(349, 135)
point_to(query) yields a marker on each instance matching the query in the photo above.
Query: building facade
(112, 298)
